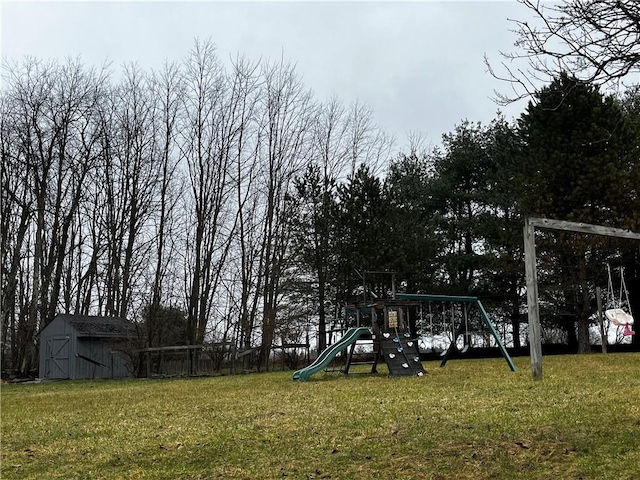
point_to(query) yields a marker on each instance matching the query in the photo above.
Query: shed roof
(94, 326)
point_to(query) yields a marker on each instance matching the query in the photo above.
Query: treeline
(161, 191)
(214, 202)
(449, 220)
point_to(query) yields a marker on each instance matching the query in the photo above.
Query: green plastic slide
(330, 352)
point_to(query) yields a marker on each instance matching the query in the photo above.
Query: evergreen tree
(314, 240)
(473, 196)
(461, 187)
(361, 231)
(411, 227)
(502, 278)
(580, 165)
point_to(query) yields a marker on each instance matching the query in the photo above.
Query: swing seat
(619, 317)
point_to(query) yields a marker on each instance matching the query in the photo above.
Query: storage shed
(80, 347)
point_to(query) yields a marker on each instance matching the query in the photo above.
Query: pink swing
(618, 316)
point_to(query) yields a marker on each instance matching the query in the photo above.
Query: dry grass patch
(472, 419)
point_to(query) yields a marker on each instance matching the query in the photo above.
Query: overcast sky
(418, 65)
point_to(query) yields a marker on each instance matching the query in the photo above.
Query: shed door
(56, 364)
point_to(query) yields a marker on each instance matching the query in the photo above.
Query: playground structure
(460, 326)
(616, 316)
(387, 324)
(531, 275)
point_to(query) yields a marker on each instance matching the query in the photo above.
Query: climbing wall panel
(401, 354)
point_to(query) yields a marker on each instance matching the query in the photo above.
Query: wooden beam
(174, 348)
(579, 227)
(290, 345)
(420, 297)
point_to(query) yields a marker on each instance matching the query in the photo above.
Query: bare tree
(595, 40)
(51, 105)
(167, 90)
(32, 84)
(15, 216)
(214, 126)
(94, 216)
(130, 175)
(81, 150)
(90, 246)
(368, 144)
(234, 298)
(246, 84)
(287, 114)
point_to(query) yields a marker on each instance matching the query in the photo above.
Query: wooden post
(393, 286)
(603, 335)
(234, 357)
(535, 341)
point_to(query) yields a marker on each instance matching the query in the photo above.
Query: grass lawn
(473, 419)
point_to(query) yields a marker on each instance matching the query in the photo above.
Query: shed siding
(67, 354)
(99, 358)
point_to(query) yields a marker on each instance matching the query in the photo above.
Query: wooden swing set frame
(531, 223)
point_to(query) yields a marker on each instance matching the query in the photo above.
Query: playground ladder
(373, 363)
